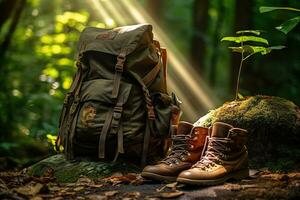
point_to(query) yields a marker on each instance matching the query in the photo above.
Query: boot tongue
(220, 129)
(184, 128)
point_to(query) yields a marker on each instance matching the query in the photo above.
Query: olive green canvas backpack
(118, 101)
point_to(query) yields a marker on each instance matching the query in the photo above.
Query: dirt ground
(262, 184)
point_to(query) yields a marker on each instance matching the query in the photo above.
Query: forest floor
(262, 184)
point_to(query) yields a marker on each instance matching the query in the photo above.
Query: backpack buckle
(117, 113)
(120, 62)
(151, 114)
(118, 109)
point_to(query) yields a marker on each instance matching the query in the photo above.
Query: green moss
(270, 121)
(71, 170)
(262, 110)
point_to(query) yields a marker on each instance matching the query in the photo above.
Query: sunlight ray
(191, 81)
(114, 12)
(182, 78)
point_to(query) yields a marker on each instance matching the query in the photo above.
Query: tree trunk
(7, 121)
(15, 19)
(216, 44)
(6, 9)
(243, 20)
(200, 21)
(155, 9)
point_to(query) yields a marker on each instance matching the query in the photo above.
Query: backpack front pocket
(96, 106)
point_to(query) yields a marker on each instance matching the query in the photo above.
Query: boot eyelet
(188, 154)
(195, 138)
(191, 146)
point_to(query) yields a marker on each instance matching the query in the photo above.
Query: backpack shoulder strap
(149, 120)
(70, 98)
(150, 76)
(162, 52)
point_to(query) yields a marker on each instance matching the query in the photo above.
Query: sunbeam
(182, 78)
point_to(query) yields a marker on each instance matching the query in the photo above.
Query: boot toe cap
(196, 174)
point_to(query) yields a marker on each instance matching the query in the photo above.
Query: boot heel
(241, 174)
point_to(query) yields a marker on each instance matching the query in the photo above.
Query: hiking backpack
(118, 101)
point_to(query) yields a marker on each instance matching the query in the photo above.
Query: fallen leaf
(117, 174)
(151, 198)
(276, 177)
(97, 185)
(57, 198)
(167, 195)
(30, 189)
(294, 175)
(130, 178)
(96, 197)
(83, 180)
(77, 189)
(54, 188)
(131, 195)
(171, 186)
(232, 187)
(111, 193)
(36, 198)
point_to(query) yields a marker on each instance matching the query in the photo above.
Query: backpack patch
(88, 114)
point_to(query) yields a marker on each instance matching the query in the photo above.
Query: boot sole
(236, 175)
(158, 177)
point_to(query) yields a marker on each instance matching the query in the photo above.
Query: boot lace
(216, 147)
(179, 149)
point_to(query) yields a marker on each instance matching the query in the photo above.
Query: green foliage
(251, 50)
(255, 32)
(246, 50)
(288, 25)
(39, 67)
(264, 9)
(241, 39)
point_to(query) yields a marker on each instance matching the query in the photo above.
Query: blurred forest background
(38, 47)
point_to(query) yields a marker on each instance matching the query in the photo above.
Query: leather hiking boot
(187, 145)
(225, 157)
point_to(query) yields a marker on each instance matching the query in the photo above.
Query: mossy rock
(274, 129)
(70, 170)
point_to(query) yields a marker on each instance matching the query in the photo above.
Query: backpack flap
(111, 41)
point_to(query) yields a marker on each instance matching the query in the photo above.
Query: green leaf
(240, 96)
(241, 39)
(251, 49)
(264, 9)
(288, 25)
(256, 32)
(277, 47)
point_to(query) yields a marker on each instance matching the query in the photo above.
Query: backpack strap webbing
(71, 98)
(74, 104)
(120, 142)
(150, 76)
(162, 52)
(112, 121)
(149, 120)
(118, 72)
(103, 134)
(164, 57)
